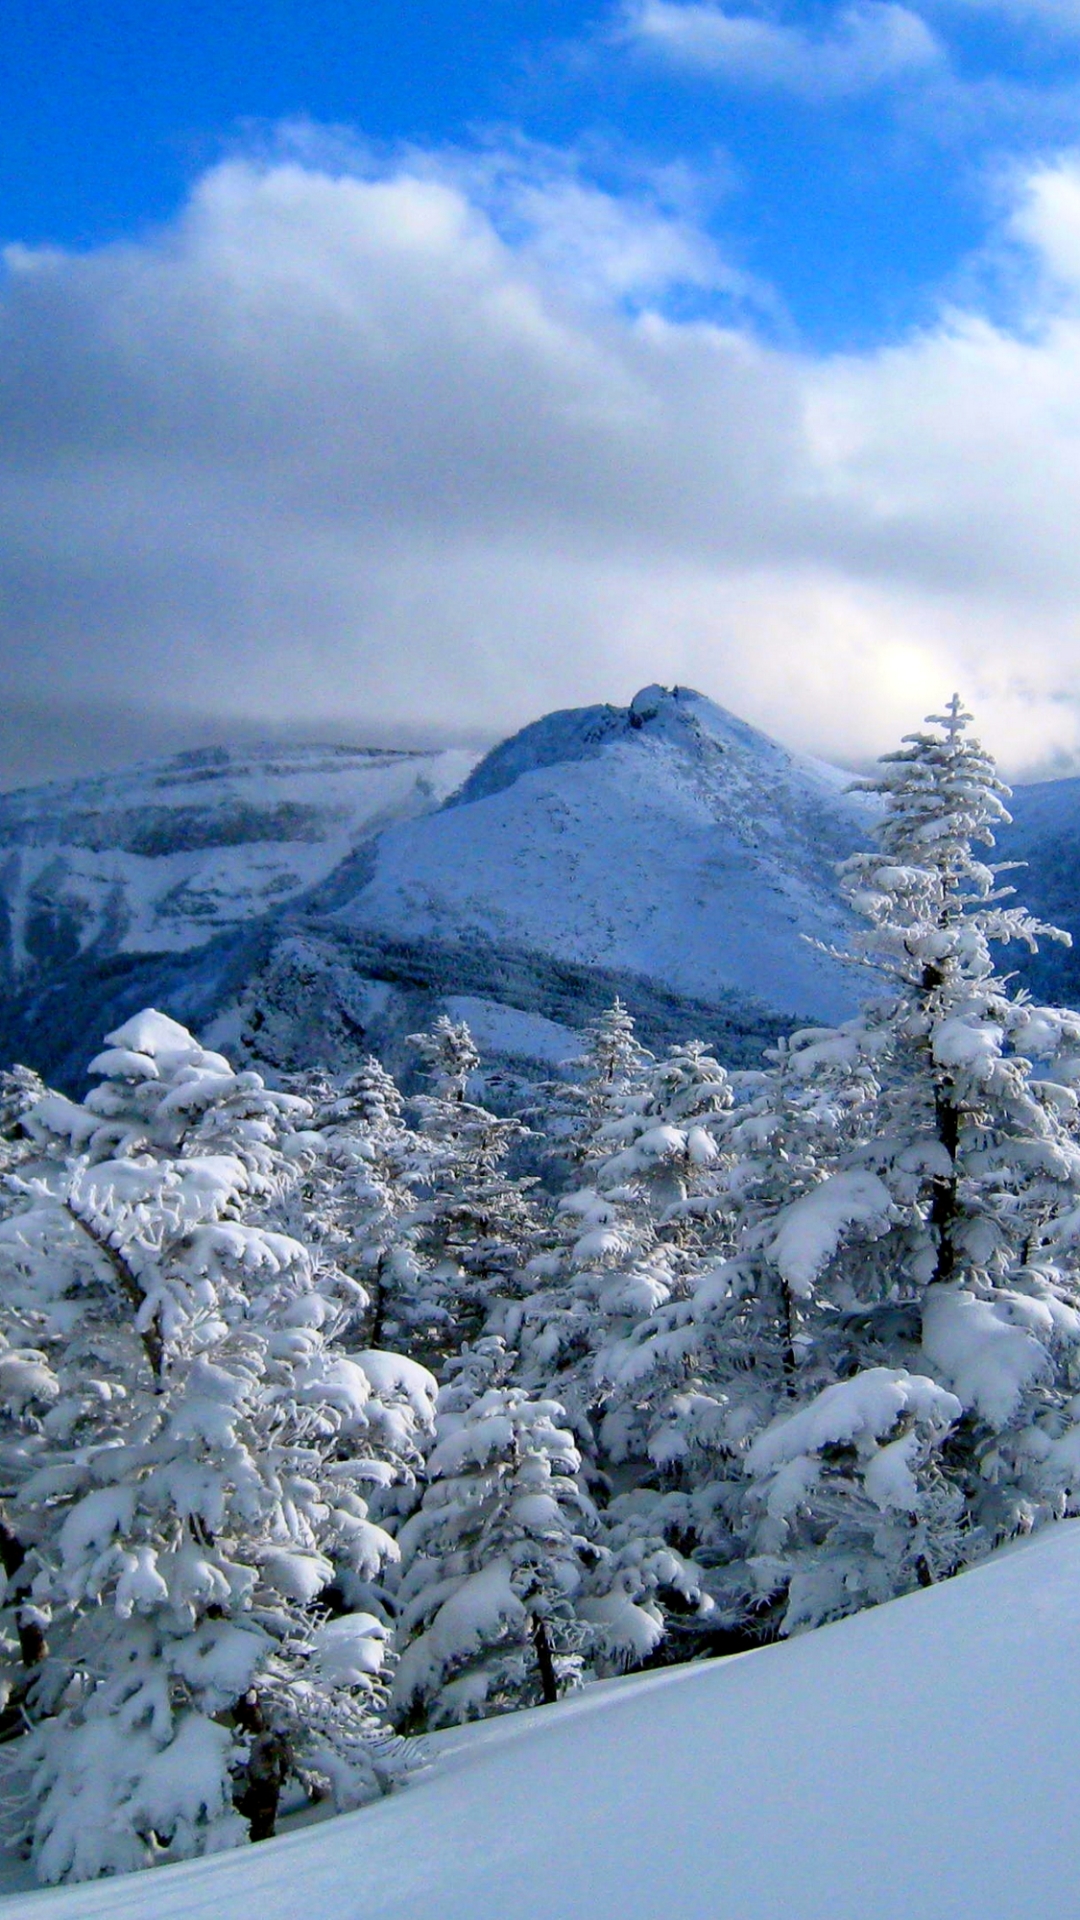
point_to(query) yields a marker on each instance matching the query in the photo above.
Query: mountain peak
(570, 735)
(667, 839)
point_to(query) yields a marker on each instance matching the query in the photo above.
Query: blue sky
(761, 320)
(851, 166)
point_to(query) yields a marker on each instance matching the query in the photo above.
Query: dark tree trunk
(788, 1323)
(32, 1645)
(544, 1661)
(944, 1206)
(378, 1308)
(266, 1771)
(14, 1716)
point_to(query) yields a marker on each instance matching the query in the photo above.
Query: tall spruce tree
(473, 1221)
(923, 1268)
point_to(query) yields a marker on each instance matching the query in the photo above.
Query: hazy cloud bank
(358, 449)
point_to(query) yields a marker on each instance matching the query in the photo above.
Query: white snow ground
(915, 1761)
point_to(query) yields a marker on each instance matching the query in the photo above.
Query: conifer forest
(333, 1414)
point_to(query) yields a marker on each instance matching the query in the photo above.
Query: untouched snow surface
(917, 1760)
(668, 839)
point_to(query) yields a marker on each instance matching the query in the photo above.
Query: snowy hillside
(918, 1759)
(1045, 835)
(167, 855)
(668, 839)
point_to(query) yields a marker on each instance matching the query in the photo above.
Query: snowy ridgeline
(163, 857)
(665, 852)
(324, 1427)
(312, 905)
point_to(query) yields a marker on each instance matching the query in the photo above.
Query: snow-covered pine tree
(473, 1221)
(355, 1198)
(493, 1563)
(184, 1452)
(591, 1260)
(623, 1256)
(925, 1262)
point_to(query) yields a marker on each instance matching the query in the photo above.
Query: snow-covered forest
(332, 1418)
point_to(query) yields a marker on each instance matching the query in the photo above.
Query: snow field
(917, 1760)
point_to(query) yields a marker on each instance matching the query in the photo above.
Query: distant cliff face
(165, 857)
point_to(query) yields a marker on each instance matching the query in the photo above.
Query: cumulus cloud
(862, 48)
(356, 449)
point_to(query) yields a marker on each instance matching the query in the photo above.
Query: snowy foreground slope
(669, 839)
(916, 1760)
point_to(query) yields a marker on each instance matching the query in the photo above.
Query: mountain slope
(1045, 836)
(668, 839)
(311, 904)
(162, 858)
(917, 1759)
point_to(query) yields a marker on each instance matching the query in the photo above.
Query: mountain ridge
(309, 904)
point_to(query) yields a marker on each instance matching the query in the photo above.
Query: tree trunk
(32, 1646)
(266, 1771)
(788, 1324)
(544, 1661)
(944, 1206)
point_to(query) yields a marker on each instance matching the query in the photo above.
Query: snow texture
(862, 1409)
(806, 1780)
(812, 1228)
(988, 1359)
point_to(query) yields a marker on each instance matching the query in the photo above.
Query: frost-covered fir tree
(923, 1267)
(494, 1562)
(473, 1221)
(185, 1455)
(622, 1254)
(355, 1197)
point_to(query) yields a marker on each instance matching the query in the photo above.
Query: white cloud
(865, 46)
(339, 447)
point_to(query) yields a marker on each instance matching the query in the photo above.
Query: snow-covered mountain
(166, 883)
(307, 904)
(914, 1760)
(668, 839)
(163, 857)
